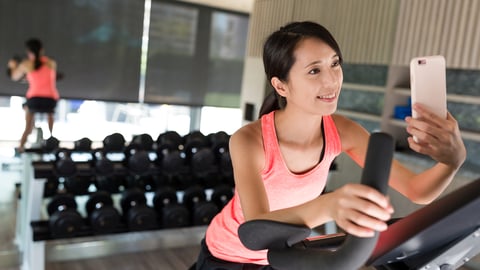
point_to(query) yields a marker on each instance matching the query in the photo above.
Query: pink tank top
(284, 189)
(42, 82)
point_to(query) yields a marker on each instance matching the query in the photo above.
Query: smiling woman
(281, 161)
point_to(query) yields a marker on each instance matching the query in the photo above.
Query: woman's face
(315, 79)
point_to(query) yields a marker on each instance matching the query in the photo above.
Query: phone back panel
(428, 83)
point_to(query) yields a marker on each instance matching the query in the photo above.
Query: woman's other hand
(359, 209)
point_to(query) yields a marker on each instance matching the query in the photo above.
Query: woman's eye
(314, 71)
(336, 63)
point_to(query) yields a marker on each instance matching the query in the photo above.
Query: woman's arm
(438, 138)
(441, 140)
(17, 70)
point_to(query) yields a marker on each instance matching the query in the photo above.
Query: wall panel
(449, 28)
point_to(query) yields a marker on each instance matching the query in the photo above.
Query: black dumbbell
(78, 184)
(51, 144)
(64, 165)
(114, 142)
(171, 213)
(136, 213)
(173, 170)
(221, 195)
(82, 145)
(102, 215)
(137, 160)
(204, 167)
(145, 183)
(170, 140)
(142, 141)
(193, 142)
(104, 172)
(111, 184)
(219, 142)
(64, 220)
(102, 166)
(201, 210)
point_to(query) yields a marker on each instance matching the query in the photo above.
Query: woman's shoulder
(341, 122)
(249, 132)
(246, 147)
(350, 132)
(248, 136)
(51, 63)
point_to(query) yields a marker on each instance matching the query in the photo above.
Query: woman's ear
(279, 86)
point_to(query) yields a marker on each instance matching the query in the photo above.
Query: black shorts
(206, 261)
(41, 105)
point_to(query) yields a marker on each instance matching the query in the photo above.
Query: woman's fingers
(362, 210)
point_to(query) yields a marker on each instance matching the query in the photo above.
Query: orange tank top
(284, 189)
(42, 82)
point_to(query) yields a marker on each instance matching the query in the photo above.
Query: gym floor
(164, 258)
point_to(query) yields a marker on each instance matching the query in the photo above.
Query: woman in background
(42, 95)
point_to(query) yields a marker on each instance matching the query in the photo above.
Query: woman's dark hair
(278, 56)
(35, 46)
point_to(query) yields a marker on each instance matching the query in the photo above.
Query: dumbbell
(64, 165)
(104, 171)
(64, 220)
(144, 182)
(201, 210)
(114, 142)
(194, 141)
(171, 213)
(137, 160)
(51, 144)
(204, 167)
(221, 195)
(139, 166)
(142, 141)
(101, 164)
(136, 213)
(170, 140)
(82, 145)
(78, 184)
(201, 159)
(219, 142)
(111, 184)
(172, 169)
(102, 215)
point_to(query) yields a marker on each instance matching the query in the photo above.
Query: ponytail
(273, 101)
(35, 46)
(37, 62)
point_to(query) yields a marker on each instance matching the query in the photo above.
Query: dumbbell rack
(37, 246)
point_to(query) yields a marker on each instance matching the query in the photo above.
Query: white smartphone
(428, 84)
